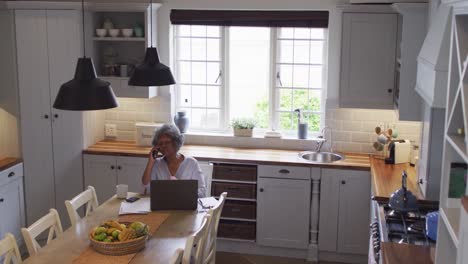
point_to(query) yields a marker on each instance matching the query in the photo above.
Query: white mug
(121, 191)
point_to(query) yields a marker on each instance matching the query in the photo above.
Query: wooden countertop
(386, 178)
(229, 154)
(8, 162)
(393, 253)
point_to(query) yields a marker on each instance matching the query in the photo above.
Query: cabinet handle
(1, 200)
(11, 174)
(343, 182)
(46, 116)
(390, 90)
(119, 168)
(420, 181)
(56, 115)
(261, 190)
(112, 167)
(284, 171)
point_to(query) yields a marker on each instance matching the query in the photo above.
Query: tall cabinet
(48, 45)
(452, 236)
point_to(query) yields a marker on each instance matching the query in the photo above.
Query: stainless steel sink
(321, 157)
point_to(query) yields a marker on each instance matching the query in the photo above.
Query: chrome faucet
(321, 136)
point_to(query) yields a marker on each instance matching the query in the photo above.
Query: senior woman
(172, 165)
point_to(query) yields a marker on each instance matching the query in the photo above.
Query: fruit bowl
(131, 243)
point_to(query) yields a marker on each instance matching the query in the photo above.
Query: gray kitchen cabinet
(368, 47)
(344, 211)
(283, 205)
(12, 201)
(47, 47)
(207, 169)
(105, 172)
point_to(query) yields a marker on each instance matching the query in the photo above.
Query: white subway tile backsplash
(342, 114)
(351, 125)
(124, 125)
(341, 136)
(361, 137)
(125, 135)
(111, 115)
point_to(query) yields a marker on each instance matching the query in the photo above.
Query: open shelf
(238, 219)
(459, 145)
(118, 39)
(451, 218)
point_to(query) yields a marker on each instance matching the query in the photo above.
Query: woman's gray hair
(171, 131)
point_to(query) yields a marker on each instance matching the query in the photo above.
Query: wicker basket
(118, 248)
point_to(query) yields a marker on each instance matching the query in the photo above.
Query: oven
(374, 235)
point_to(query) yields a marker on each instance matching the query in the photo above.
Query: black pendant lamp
(85, 91)
(151, 72)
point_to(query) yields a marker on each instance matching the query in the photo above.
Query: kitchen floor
(235, 258)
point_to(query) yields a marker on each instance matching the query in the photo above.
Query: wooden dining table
(160, 247)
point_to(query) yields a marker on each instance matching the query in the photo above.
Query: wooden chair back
(50, 221)
(210, 249)
(177, 257)
(9, 250)
(195, 246)
(87, 198)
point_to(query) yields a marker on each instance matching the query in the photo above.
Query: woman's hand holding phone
(154, 153)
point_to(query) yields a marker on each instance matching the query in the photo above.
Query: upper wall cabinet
(117, 51)
(411, 33)
(368, 60)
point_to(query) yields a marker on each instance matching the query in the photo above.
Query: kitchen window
(265, 73)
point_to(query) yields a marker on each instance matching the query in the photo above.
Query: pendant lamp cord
(83, 28)
(151, 22)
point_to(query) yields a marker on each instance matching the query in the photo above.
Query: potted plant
(243, 126)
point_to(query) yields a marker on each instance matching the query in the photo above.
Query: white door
(36, 131)
(354, 212)
(283, 212)
(63, 34)
(100, 172)
(368, 60)
(129, 171)
(11, 208)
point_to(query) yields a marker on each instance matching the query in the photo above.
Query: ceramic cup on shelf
(114, 32)
(121, 191)
(127, 32)
(138, 31)
(101, 32)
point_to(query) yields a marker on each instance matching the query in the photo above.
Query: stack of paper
(141, 206)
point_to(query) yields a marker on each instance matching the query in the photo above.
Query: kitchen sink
(321, 157)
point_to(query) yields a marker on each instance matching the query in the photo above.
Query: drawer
(234, 190)
(11, 173)
(239, 209)
(237, 229)
(235, 172)
(284, 172)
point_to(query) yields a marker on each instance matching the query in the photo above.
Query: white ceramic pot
(101, 32)
(242, 132)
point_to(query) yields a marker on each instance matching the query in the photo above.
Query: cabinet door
(100, 172)
(63, 35)
(368, 60)
(283, 212)
(329, 209)
(354, 212)
(11, 208)
(36, 131)
(129, 171)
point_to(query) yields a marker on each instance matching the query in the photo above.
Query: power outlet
(111, 130)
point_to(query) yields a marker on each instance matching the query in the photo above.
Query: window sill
(258, 140)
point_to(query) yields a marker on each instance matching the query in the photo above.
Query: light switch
(111, 130)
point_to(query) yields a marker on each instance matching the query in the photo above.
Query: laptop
(174, 195)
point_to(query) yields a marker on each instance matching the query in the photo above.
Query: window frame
(273, 97)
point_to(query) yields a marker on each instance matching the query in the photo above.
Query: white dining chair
(210, 247)
(9, 250)
(87, 198)
(195, 245)
(50, 221)
(177, 257)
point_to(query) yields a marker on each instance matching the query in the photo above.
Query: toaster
(399, 152)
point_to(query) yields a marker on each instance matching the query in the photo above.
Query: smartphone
(155, 153)
(132, 199)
